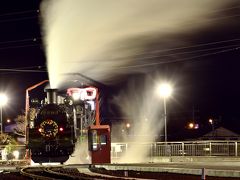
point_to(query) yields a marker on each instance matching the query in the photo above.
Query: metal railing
(152, 149)
(13, 155)
(187, 148)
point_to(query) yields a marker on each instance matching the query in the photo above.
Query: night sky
(20, 49)
(204, 64)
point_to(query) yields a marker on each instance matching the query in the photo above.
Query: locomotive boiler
(51, 135)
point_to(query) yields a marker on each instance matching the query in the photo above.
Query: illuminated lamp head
(82, 94)
(75, 96)
(165, 90)
(40, 130)
(75, 93)
(3, 99)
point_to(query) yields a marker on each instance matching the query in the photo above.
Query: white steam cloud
(97, 37)
(80, 154)
(142, 104)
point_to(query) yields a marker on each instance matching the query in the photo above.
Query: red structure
(27, 104)
(26, 113)
(99, 143)
(99, 137)
(27, 94)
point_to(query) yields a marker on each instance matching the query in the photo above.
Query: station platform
(216, 168)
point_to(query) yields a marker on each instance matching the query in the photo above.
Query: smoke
(80, 154)
(141, 103)
(100, 38)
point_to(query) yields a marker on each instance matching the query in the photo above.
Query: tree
(4, 139)
(20, 125)
(8, 146)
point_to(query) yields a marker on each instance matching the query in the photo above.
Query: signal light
(61, 129)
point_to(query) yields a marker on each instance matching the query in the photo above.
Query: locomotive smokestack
(51, 96)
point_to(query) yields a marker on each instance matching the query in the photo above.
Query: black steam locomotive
(51, 136)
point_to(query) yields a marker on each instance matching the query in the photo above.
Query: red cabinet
(99, 143)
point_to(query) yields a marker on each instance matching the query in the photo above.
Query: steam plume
(98, 38)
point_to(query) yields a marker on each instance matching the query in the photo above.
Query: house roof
(221, 132)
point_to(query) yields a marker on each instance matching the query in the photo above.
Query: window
(103, 140)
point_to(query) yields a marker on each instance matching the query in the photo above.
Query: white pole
(1, 121)
(165, 118)
(203, 174)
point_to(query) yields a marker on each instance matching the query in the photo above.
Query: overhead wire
(37, 11)
(226, 9)
(31, 67)
(22, 15)
(20, 40)
(191, 52)
(20, 43)
(179, 60)
(22, 70)
(156, 51)
(182, 48)
(17, 19)
(27, 69)
(19, 12)
(223, 17)
(20, 46)
(153, 52)
(194, 46)
(145, 64)
(151, 55)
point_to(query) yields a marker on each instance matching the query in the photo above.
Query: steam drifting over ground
(100, 38)
(80, 154)
(142, 104)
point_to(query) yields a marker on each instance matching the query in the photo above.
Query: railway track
(62, 172)
(49, 173)
(93, 172)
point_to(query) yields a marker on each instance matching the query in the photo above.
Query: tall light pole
(165, 91)
(3, 101)
(211, 121)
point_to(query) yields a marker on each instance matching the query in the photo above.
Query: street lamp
(3, 101)
(190, 125)
(165, 91)
(211, 121)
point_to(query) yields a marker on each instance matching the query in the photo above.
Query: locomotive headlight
(76, 96)
(68, 101)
